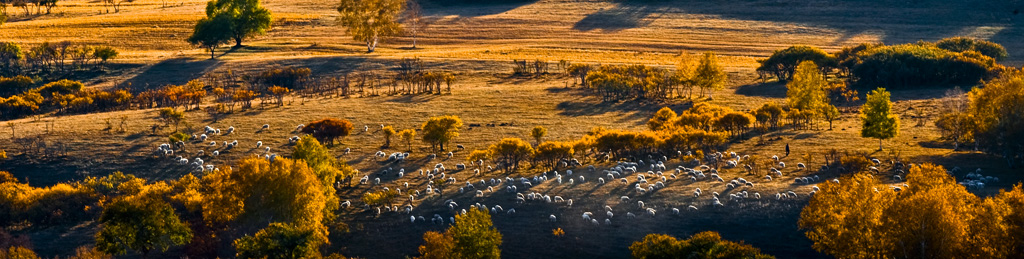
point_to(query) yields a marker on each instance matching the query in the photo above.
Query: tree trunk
(879, 144)
(238, 41)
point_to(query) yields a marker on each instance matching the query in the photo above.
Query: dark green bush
(783, 62)
(920, 64)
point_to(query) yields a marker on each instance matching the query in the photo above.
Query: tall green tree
(878, 120)
(211, 32)
(709, 74)
(248, 17)
(142, 223)
(371, 21)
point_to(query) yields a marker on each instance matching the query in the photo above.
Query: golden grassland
(477, 42)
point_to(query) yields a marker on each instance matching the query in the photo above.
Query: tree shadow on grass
(624, 16)
(771, 90)
(174, 71)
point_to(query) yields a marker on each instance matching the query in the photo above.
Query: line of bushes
(950, 61)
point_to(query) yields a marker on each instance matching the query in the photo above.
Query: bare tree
(414, 19)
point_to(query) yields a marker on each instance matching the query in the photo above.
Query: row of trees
(45, 58)
(933, 217)
(950, 61)
(138, 216)
(618, 82)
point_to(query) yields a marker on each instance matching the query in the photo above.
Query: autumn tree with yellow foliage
(472, 236)
(932, 217)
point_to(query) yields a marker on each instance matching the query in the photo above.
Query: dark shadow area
(624, 16)
(470, 8)
(895, 22)
(773, 90)
(175, 71)
(589, 105)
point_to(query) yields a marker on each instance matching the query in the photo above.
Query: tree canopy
(371, 21)
(438, 131)
(247, 18)
(142, 223)
(211, 32)
(878, 120)
(701, 245)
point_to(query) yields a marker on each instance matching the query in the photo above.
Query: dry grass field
(478, 42)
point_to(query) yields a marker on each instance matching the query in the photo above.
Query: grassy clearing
(478, 42)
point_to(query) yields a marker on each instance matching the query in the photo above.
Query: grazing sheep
(691, 208)
(607, 221)
(675, 211)
(460, 147)
(782, 165)
(376, 181)
(630, 215)
(230, 130)
(259, 144)
(346, 204)
(801, 166)
(640, 204)
(624, 198)
(265, 127)
(299, 128)
(552, 218)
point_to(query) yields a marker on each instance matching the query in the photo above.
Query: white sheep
(259, 144)
(552, 218)
(265, 127)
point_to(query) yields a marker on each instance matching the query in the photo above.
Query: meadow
(478, 43)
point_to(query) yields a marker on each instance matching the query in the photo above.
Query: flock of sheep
(524, 192)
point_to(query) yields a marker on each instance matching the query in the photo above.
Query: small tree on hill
(407, 136)
(709, 74)
(509, 152)
(388, 133)
(438, 131)
(211, 32)
(172, 116)
(371, 21)
(247, 18)
(414, 19)
(878, 120)
(806, 91)
(538, 133)
(326, 130)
